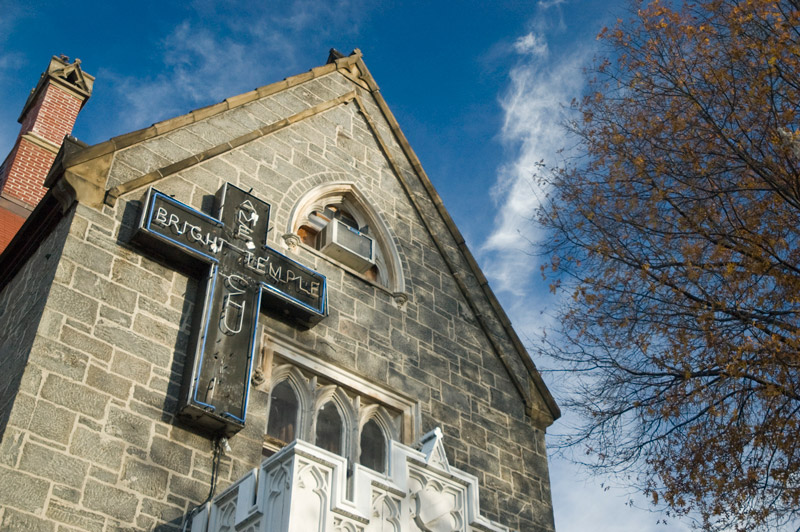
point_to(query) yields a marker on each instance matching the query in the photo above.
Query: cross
(237, 273)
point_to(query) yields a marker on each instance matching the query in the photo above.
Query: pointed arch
(285, 378)
(333, 397)
(376, 429)
(358, 211)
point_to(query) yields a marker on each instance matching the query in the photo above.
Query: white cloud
(548, 4)
(535, 105)
(587, 504)
(245, 47)
(200, 68)
(532, 44)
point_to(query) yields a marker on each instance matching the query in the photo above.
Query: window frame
(357, 400)
(347, 195)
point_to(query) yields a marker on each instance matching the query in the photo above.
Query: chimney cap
(69, 76)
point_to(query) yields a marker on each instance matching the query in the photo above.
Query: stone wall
(98, 448)
(22, 302)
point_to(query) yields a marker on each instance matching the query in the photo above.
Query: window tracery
(337, 221)
(303, 407)
(284, 410)
(372, 447)
(329, 429)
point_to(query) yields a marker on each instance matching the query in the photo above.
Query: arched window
(283, 413)
(330, 431)
(373, 447)
(338, 221)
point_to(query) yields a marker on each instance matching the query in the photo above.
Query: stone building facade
(111, 416)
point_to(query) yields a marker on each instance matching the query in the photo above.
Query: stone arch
(388, 430)
(362, 210)
(334, 395)
(303, 389)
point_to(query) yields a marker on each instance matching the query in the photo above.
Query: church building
(259, 317)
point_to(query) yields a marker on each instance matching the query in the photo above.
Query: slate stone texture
(91, 440)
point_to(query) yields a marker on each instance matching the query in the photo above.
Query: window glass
(329, 429)
(373, 447)
(283, 409)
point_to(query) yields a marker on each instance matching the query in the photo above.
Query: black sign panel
(238, 274)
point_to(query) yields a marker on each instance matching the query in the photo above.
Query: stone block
(190, 489)
(99, 288)
(117, 316)
(72, 303)
(171, 455)
(70, 515)
(141, 158)
(10, 446)
(50, 323)
(129, 427)
(88, 256)
(22, 411)
(52, 422)
(108, 382)
(168, 150)
(369, 364)
(154, 399)
(31, 380)
(140, 280)
(94, 217)
(353, 330)
(22, 491)
(85, 343)
(160, 331)
(131, 367)
(134, 343)
(60, 468)
(14, 520)
(145, 478)
(65, 493)
(59, 358)
(97, 447)
(189, 141)
(148, 523)
(402, 343)
(483, 461)
(473, 434)
(162, 511)
(109, 500)
(191, 439)
(512, 405)
(74, 396)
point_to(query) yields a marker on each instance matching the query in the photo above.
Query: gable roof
(84, 176)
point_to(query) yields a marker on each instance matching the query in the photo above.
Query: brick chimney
(46, 118)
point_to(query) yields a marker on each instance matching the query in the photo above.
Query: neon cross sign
(237, 273)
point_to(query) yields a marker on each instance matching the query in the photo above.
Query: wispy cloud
(535, 105)
(242, 49)
(531, 44)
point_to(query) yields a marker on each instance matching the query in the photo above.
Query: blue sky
(479, 88)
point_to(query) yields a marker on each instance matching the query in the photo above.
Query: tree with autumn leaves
(677, 237)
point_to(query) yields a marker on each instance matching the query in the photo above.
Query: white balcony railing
(304, 488)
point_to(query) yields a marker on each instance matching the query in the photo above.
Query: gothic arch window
(330, 429)
(336, 220)
(284, 413)
(287, 408)
(324, 405)
(377, 427)
(373, 447)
